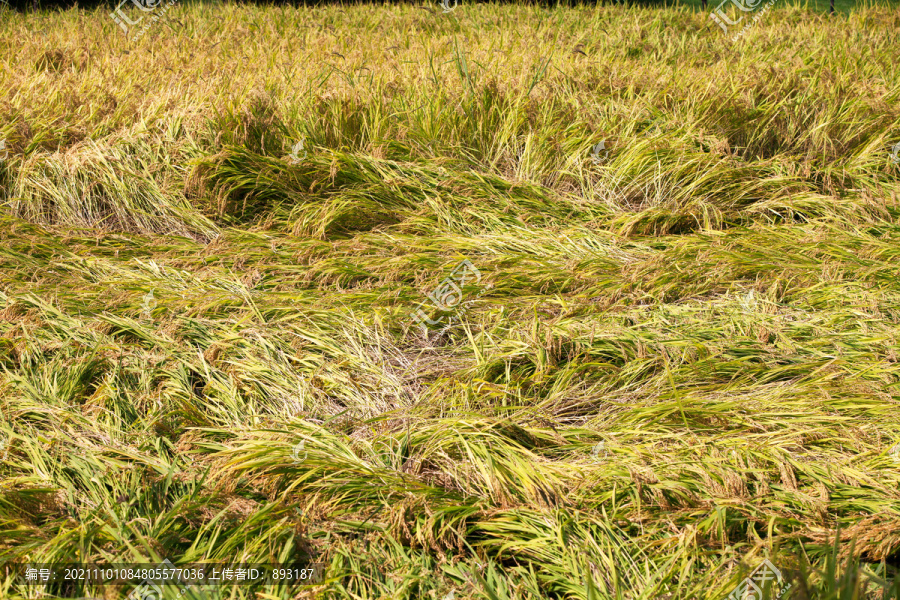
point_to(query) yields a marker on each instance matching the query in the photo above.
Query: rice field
(490, 301)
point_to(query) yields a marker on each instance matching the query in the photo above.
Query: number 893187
(292, 574)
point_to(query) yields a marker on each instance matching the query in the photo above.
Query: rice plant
(234, 325)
